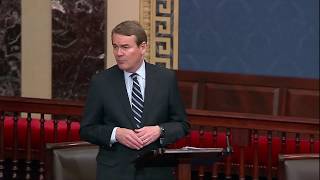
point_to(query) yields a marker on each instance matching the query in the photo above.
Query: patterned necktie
(136, 101)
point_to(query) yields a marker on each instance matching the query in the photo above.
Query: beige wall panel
(36, 41)
(118, 11)
(36, 49)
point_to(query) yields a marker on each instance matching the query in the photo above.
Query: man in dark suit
(130, 107)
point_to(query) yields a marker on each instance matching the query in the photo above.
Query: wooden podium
(183, 158)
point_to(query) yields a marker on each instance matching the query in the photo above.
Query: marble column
(78, 33)
(10, 48)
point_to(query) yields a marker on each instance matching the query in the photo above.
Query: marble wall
(78, 33)
(10, 47)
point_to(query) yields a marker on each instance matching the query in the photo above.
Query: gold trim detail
(160, 18)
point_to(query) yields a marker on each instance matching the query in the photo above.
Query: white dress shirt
(129, 83)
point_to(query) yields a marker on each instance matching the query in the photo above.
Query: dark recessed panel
(189, 93)
(245, 99)
(302, 103)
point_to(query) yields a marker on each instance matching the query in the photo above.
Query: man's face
(127, 53)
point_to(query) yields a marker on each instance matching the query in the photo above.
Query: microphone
(228, 149)
(161, 139)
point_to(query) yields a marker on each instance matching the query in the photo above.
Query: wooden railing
(247, 132)
(14, 106)
(247, 129)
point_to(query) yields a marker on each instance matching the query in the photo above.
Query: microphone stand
(228, 150)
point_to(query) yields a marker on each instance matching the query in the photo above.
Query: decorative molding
(160, 18)
(145, 20)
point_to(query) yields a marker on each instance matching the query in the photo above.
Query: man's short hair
(129, 28)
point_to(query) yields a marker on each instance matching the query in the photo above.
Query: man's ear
(143, 46)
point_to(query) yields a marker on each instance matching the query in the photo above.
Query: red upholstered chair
(35, 136)
(206, 140)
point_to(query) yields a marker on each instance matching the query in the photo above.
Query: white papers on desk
(190, 149)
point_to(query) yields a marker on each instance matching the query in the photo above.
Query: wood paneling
(250, 93)
(189, 93)
(303, 103)
(235, 98)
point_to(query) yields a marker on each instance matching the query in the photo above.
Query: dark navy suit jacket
(107, 106)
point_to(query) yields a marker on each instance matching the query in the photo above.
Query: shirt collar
(141, 71)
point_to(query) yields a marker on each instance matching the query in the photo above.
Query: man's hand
(148, 134)
(129, 138)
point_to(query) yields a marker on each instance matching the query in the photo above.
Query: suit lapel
(121, 89)
(149, 92)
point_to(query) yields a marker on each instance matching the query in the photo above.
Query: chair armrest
(299, 166)
(71, 160)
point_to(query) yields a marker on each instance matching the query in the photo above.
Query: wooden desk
(183, 158)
